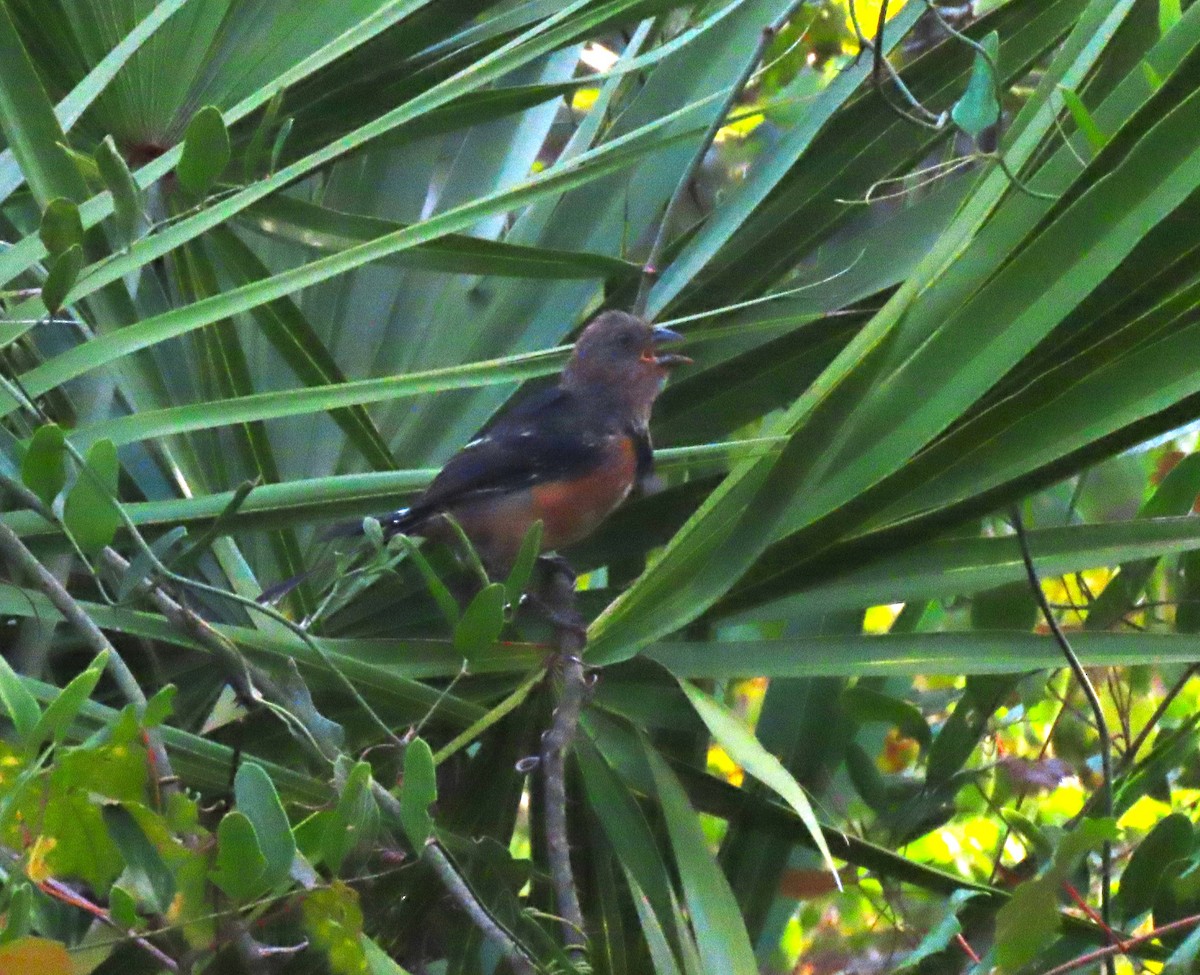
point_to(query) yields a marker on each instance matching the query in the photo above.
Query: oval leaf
(978, 108)
(481, 624)
(205, 151)
(62, 276)
(61, 227)
(43, 468)
(240, 860)
(417, 793)
(255, 795)
(90, 511)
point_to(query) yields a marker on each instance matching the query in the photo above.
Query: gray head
(619, 355)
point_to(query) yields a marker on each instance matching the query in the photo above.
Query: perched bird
(566, 457)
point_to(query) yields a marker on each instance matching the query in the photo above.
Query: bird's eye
(627, 341)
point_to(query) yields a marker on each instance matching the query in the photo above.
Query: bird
(567, 456)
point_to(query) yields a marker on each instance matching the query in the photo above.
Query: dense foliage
(268, 263)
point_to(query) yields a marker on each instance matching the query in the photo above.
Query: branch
(61, 892)
(650, 269)
(1093, 700)
(1123, 947)
(557, 599)
(15, 552)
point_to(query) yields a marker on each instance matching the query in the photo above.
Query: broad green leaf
(18, 912)
(355, 820)
(122, 907)
(335, 921)
(143, 862)
(62, 711)
(1172, 838)
(418, 791)
(481, 622)
(89, 512)
(21, 706)
(522, 570)
(43, 468)
(62, 276)
(738, 740)
(240, 865)
(206, 151)
(255, 795)
(716, 922)
(61, 228)
(1170, 12)
(979, 107)
(379, 962)
(159, 707)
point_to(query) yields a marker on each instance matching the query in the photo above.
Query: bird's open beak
(664, 336)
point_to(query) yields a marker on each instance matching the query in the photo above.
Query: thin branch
(1093, 700)
(650, 269)
(457, 887)
(1135, 746)
(20, 558)
(556, 742)
(60, 891)
(1109, 953)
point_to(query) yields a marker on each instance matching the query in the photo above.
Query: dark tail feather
(401, 522)
(404, 521)
(272, 594)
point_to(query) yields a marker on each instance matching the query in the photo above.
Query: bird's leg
(553, 595)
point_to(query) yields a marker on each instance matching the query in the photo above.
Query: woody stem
(558, 598)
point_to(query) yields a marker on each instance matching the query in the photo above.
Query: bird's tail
(401, 522)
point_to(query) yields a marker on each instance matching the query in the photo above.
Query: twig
(1122, 948)
(245, 677)
(21, 558)
(650, 269)
(926, 119)
(1093, 700)
(1134, 746)
(458, 888)
(61, 892)
(466, 899)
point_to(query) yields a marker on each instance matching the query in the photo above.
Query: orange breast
(571, 510)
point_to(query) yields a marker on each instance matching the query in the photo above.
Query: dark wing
(551, 437)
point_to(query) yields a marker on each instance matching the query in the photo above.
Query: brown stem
(61, 892)
(1123, 947)
(556, 743)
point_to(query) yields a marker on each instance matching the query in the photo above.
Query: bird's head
(620, 355)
